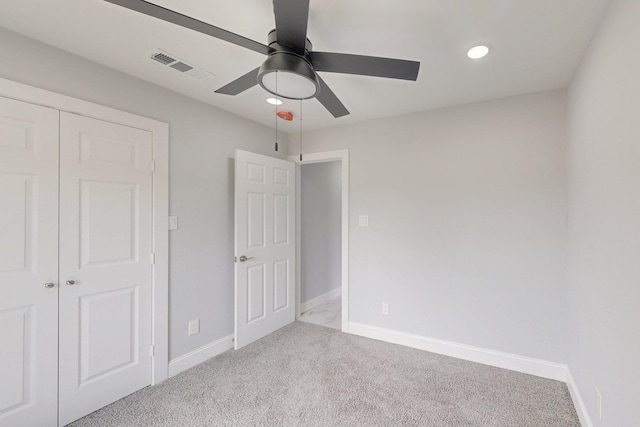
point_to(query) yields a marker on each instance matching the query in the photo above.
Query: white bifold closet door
(105, 263)
(28, 264)
(75, 264)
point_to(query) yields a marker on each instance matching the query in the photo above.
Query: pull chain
(276, 105)
(301, 130)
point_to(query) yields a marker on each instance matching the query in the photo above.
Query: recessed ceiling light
(478, 52)
(274, 101)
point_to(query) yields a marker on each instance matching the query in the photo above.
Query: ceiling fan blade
(240, 84)
(291, 23)
(365, 65)
(330, 101)
(167, 15)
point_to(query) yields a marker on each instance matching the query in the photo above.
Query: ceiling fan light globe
(288, 76)
(289, 85)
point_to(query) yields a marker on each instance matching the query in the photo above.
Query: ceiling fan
(290, 70)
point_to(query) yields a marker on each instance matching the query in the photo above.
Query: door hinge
(153, 165)
(153, 258)
(152, 351)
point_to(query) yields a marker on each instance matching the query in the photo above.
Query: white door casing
(265, 235)
(105, 263)
(327, 156)
(28, 264)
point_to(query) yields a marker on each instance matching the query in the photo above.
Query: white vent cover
(172, 61)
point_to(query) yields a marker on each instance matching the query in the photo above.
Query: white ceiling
(537, 45)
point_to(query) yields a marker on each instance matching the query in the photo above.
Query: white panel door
(105, 263)
(28, 264)
(265, 245)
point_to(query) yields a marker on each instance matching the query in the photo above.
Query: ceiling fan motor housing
(288, 73)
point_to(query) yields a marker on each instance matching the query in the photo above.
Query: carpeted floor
(308, 375)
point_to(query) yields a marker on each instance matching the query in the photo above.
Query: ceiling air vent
(171, 61)
(162, 58)
(181, 66)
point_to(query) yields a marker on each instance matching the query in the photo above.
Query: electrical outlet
(363, 220)
(385, 309)
(194, 327)
(173, 223)
(599, 402)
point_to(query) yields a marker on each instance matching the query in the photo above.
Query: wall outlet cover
(173, 223)
(194, 327)
(363, 220)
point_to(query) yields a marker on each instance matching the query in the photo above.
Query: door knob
(244, 258)
(71, 282)
(49, 285)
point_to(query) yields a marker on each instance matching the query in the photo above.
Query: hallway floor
(328, 314)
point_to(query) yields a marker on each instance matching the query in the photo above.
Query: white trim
(320, 299)
(581, 409)
(326, 156)
(160, 132)
(298, 239)
(34, 95)
(200, 355)
(161, 251)
(513, 362)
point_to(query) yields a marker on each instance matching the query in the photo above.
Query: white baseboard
(200, 355)
(514, 362)
(581, 409)
(321, 299)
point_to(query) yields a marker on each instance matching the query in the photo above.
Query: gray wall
(321, 263)
(467, 239)
(467, 223)
(604, 208)
(202, 144)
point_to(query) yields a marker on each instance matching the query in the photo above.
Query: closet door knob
(71, 282)
(49, 285)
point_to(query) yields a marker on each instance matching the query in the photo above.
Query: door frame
(321, 157)
(160, 259)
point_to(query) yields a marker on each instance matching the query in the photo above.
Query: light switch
(173, 223)
(363, 220)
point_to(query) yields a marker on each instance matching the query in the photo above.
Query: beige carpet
(307, 375)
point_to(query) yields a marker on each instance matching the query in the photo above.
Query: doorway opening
(322, 239)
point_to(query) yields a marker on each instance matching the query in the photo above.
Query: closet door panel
(105, 263)
(28, 263)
